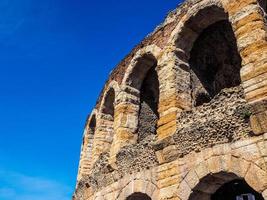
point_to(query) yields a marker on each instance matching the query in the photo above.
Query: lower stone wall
(224, 119)
(178, 179)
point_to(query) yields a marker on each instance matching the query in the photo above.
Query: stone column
(249, 26)
(103, 136)
(125, 120)
(174, 79)
(86, 154)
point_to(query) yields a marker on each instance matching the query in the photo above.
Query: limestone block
(259, 123)
(139, 185)
(166, 130)
(207, 153)
(262, 163)
(170, 153)
(250, 24)
(262, 145)
(255, 83)
(234, 6)
(257, 94)
(160, 156)
(239, 166)
(184, 191)
(167, 118)
(253, 58)
(202, 170)
(221, 149)
(168, 192)
(169, 181)
(249, 38)
(165, 174)
(252, 70)
(249, 152)
(214, 164)
(256, 178)
(192, 179)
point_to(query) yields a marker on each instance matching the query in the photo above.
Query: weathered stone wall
(183, 177)
(223, 120)
(154, 136)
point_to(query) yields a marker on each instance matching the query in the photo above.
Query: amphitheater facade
(184, 115)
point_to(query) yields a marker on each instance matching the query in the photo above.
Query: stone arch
(138, 196)
(198, 17)
(207, 45)
(107, 112)
(105, 122)
(206, 177)
(139, 66)
(87, 146)
(142, 75)
(138, 186)
(209, 186)
(109, 97)
(263, 4)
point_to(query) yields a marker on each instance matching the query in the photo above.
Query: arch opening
(138, 196)
(140, 69)
(108, 106)
(149, 98)
(92, 125)
(236, 190)
(263, 4)
(214, 62)
(221, 186)
(91, 133)
(87, 148)
(107, 120)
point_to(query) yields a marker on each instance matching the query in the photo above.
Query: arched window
(138, 196)
(236, 190)
(148, 86)
(214, 61)
(87, 146)
(105, 127)
(108, 107)
(263, 4)
(92, 125)
(223, 185)
(108, 118)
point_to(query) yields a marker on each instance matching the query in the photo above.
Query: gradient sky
(55, 56)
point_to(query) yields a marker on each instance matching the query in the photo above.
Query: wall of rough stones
(187, 176)
(170, 146)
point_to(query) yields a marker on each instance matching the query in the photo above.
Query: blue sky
(55, 56)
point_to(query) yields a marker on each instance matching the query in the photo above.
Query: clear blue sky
(55, 56)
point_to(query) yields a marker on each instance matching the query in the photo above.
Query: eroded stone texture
(185, 113)
(224, 119)
(134, 158)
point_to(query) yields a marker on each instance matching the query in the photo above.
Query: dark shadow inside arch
(236, 190)
(223, 186)
(92, 125)
(149, 99)
(138, 196)
(214, 61)
(108, 116)
(108, 107)
(263, 4)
